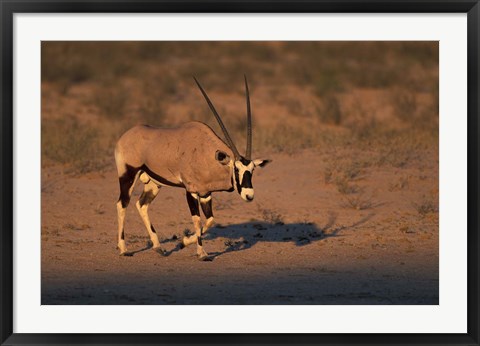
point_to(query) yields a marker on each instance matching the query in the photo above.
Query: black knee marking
(152, 228)
(122, 235)
(126, 182)
(207, 208)
(146, 198)
(193, 205)
(199, 241)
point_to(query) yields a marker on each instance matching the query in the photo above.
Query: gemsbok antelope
(192, 157)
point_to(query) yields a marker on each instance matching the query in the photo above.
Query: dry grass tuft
(401, 184)
(343, 171)
(360, 201)
(72, 144)
(426, 206)
(345, 188)
(271, 216)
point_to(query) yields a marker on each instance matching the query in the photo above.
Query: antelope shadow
(243, 236)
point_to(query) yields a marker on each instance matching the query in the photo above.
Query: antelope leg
(192, 200)
(206, 204)
(127, 182)
(150, 191)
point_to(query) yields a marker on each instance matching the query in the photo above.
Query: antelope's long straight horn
(220, 122)
(248, 153)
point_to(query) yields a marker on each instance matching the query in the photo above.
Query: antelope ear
(261, 163)
(222, 157)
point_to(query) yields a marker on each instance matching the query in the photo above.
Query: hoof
(161, 251)
(126, 254)
(205, 258)
(149, 244)
(181, 245)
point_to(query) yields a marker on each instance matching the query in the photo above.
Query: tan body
(183, 156)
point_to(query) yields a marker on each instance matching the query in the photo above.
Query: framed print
(239, 173)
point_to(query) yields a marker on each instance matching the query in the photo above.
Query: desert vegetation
(376, 96)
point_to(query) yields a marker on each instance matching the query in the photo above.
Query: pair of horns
(232, 146)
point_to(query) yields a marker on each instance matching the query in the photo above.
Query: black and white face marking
(243, 172)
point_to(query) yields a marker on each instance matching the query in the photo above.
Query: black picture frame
(7, 175)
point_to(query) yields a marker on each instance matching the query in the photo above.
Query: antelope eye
(220, 155)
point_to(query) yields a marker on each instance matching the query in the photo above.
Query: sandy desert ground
(323, 253)
(346, 213)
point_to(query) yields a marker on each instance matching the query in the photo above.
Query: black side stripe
(159, 178)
